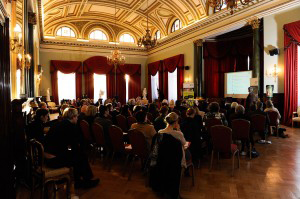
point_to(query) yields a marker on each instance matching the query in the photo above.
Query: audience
(214, 109)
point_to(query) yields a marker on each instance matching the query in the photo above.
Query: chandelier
(231, 4)
(115, 58)
(147, 40)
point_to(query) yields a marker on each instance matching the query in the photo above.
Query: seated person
(105, 122)
(63, 148)
(159, 122)
(259, 111)
(125, 111)
(153, 110)
(36, 129)
(90, 114)
(239, 114)
(270, 107)
(142, 126)
(214, 109)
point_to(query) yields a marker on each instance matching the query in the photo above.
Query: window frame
(68, 85)
(102, 31)
(126, 33)
(155, 35)
(173, 29)
(71, 31)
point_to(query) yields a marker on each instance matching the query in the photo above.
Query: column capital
(198, 42)
(254, 22)
(32, 18)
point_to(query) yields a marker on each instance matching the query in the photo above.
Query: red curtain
(134, 72)
(291, 40)
(153, 68)
(223, 57)
(120, 86)
(65, 67)
(170, 65)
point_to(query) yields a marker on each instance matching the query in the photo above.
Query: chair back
(98, 134)
(85, 128)
(273, 118)
(221, 138)
(138, 143)
(150, 117)
(116, 137)
(121, 122)
(131, 120)
(258, 123)
(37, 156)
(240, 129)
(210, 122)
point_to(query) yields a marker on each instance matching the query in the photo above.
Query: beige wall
(47, 55)
(274, 38)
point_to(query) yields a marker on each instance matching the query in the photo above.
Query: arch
(176, 25)
(73, 31)
(91, 26)
(128, 33)
(98, 34)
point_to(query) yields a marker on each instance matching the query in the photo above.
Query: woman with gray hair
(270, 107)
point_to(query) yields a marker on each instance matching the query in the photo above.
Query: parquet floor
(274, 174)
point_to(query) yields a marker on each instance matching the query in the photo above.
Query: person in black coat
(36, 129)
(159, 123)
(63, 145)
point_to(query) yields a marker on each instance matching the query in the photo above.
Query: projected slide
(237, 83)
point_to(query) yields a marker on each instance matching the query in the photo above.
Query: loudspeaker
(274, 51)
(186, 68)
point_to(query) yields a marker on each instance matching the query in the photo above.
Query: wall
(274, 38)
(47, 55)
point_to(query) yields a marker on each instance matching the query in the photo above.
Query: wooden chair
(131, 120)
(222, 142)
(273, 121)
(100, 139)
(89, 141)
(241, 131)
(52, 107)
(139, 147)
(116, 136)
(296, 116)
(258, 123)
(210, 122)
(45, 175)
(122, 122)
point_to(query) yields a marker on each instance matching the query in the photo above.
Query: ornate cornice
(254, 22)
(3, 13)
(32, 18)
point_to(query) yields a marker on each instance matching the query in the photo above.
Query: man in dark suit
(63, 145)
(251, 98)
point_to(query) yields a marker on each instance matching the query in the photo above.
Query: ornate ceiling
(86, 15)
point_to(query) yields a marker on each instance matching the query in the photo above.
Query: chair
(273, 121)
(52, 107)
(211, 122)
(150, 117)
(122, 122)
(99, 137)
(85, 128)
(296, 116)
(241, 131)
(116, 136)
(131, 120)
(44, 174)
(258, 123)
(222, 142)
(139, 147)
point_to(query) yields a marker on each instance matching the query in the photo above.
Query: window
(127, 87)
(98, 35)
(248, 61)
(65, 32)
(126, 38)
(154, 86)
(172, 82)
(66, 86)
(176, 25)
(100, 87)
(18, 83)
(157, 35)
(18, 28)
(298, 76)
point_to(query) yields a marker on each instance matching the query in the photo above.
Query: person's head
(259, 105)
(240, 110)
(172, 119)
(191, 113)
(104, 111)
(141, 117)
(137, 108)
(164, 110)
(214, 107)
(172, 104)
(63, 107)
(43, 105)
(269, 104)
(41, 115)
(234, 105)
(91, 111)
(165, 102)
(83, 109)
(125, 109)
(109, 106)
(84, 102)
(152, 107)
(178, 103)
(250, 89)
(71, 114)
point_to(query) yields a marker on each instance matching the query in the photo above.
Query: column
(198, 49)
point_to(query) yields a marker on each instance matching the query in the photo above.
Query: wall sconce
(16, 42)
(25, 62)
(273, 72)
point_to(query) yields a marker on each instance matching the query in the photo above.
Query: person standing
(251, 98)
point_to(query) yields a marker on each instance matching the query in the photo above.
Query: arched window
(126, 38)
(157, 35)
(65, 32)
(98, 35)
(176, 25)
(18, 28)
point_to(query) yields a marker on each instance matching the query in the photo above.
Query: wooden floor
(274, 174)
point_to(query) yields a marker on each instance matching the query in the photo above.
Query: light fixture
(273, 72)
(16, 42)
(24, 60)
(231, 4)
(146, 40)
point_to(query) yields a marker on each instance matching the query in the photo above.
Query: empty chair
(139, 147)
(273, 121)
(43, 174)
(258, 124)
(99, 137)
(241, 131)
(122, 122)
(222, 143)
(116, 136)
(131, 120)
